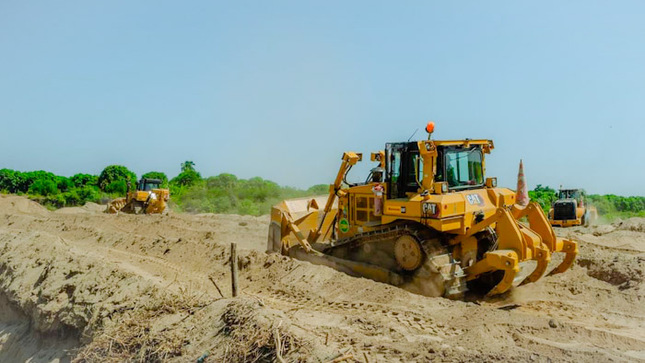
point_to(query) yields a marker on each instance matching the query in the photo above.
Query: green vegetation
(188, 176)
(115, 179)
(545, 196)
(609, 206)
(55, 191)
(189, 192)
(226, 193)
(613, 206)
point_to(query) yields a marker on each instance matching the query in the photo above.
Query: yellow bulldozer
(426, 219)
(572, 209)
(147, 198)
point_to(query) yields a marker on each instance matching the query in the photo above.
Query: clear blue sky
(280, 89)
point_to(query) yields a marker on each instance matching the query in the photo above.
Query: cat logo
(474, 199)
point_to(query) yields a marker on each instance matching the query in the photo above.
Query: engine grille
(564, 211)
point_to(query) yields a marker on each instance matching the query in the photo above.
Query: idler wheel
(408, 253)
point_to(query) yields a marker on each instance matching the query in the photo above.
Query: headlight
(440, 188)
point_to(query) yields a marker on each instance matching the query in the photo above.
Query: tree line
(224, 193)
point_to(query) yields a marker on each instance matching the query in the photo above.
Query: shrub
(43, 187)
(115, 173)
(10, 180)
(117, 187)
(545, 196)
(88, 194)
(319, 189)
(186, 178)
(81, 180)
(248, 207)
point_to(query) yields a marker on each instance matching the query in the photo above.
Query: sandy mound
(11, 204)
(632, 224)
(88, 208)
(93, 207)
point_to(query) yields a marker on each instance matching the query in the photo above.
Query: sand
(80, 285)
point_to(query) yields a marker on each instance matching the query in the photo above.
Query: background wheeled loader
(438, 228)
(148, 198)
(572, 209)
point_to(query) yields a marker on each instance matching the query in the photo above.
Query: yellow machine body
(426, 226)
(572, 209)
(147, 198)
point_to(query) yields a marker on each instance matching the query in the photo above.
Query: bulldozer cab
(461, 167)
(147, 185)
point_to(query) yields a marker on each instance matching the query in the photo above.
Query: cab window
(463, 168)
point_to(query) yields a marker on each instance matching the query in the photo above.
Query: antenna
(414, 133)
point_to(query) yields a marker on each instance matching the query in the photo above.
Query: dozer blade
(115, 206)
(296, 218)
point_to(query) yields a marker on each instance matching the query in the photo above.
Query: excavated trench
(19, 342)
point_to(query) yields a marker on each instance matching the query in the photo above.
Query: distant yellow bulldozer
(572, 209)
(426, 219)
(148, 198)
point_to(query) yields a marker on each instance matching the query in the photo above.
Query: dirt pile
(80, 284)
(632, 224)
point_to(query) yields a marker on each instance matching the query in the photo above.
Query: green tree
(117, 187)
(114, 173)
(545, 196)
(9, 180)
(319, 189)
(187, 166)
(30, 177)
(88, 194)
(186, 178)
(258, 189)
(43, 187)
(223, 181)
(64, 184)
(80, 180)
(157, 175)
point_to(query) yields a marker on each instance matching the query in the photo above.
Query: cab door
(402, 169)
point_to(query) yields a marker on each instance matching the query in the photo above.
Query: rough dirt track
(77, 284)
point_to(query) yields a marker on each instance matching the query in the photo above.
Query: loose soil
(80, 285)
